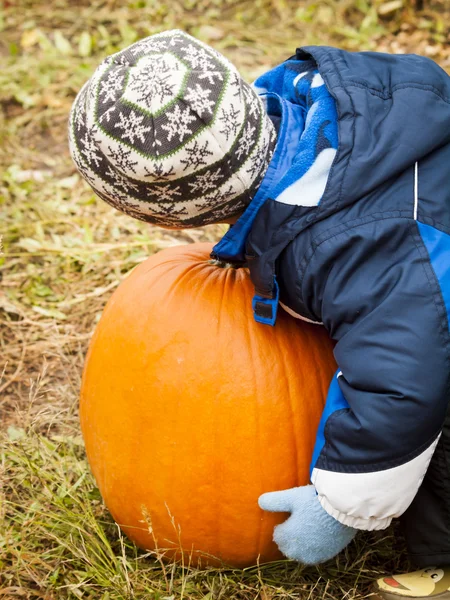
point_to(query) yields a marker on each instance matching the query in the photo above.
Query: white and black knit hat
(168, 132)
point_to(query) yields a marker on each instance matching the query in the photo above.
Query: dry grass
(64, 252)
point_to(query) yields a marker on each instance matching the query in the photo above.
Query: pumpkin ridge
(289, 401)
(252, 346)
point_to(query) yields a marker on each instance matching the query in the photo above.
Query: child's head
(168, 132)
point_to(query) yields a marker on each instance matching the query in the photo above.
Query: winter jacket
(362, 245)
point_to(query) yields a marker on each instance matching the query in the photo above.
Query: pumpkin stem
(222, 264)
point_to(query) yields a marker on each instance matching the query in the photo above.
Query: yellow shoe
(432, 582)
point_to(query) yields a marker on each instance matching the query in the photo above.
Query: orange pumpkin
(190, 410)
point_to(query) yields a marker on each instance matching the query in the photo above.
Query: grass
(58, 541)
(64, 252)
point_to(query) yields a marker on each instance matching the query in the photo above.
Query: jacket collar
(231, 247)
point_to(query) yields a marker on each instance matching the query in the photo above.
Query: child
(335, 170)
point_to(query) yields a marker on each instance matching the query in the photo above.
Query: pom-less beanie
(168, 132)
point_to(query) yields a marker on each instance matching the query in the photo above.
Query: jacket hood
(393, 110)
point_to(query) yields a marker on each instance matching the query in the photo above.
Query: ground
(64, 252)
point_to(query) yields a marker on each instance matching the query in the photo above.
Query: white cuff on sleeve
(371, 500)
(355, 522)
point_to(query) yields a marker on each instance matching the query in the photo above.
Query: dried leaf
(29, 244)
(30, 37)
(208, 32)
(53, 313)
(389, 7)
(85, 44)
(62, 44)
(68, 182)
(15, 433)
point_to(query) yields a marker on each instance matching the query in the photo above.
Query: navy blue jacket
(369, 257)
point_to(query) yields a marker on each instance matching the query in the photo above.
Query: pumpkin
(190, 409)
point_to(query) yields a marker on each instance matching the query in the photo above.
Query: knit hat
(168, 132)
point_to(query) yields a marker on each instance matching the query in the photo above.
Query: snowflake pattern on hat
(168, 132)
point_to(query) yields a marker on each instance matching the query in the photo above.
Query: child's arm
(383, 299)
(382, 289)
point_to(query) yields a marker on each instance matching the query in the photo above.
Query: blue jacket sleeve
(381, 288)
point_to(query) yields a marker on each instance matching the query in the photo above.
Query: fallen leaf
(208, 32)
(15, 433)
(389, 7)
(62, 43)
(30, 37)
(85, 44)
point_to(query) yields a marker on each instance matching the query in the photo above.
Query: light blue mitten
(310, 535)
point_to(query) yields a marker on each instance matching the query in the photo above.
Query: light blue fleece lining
(308, 131)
